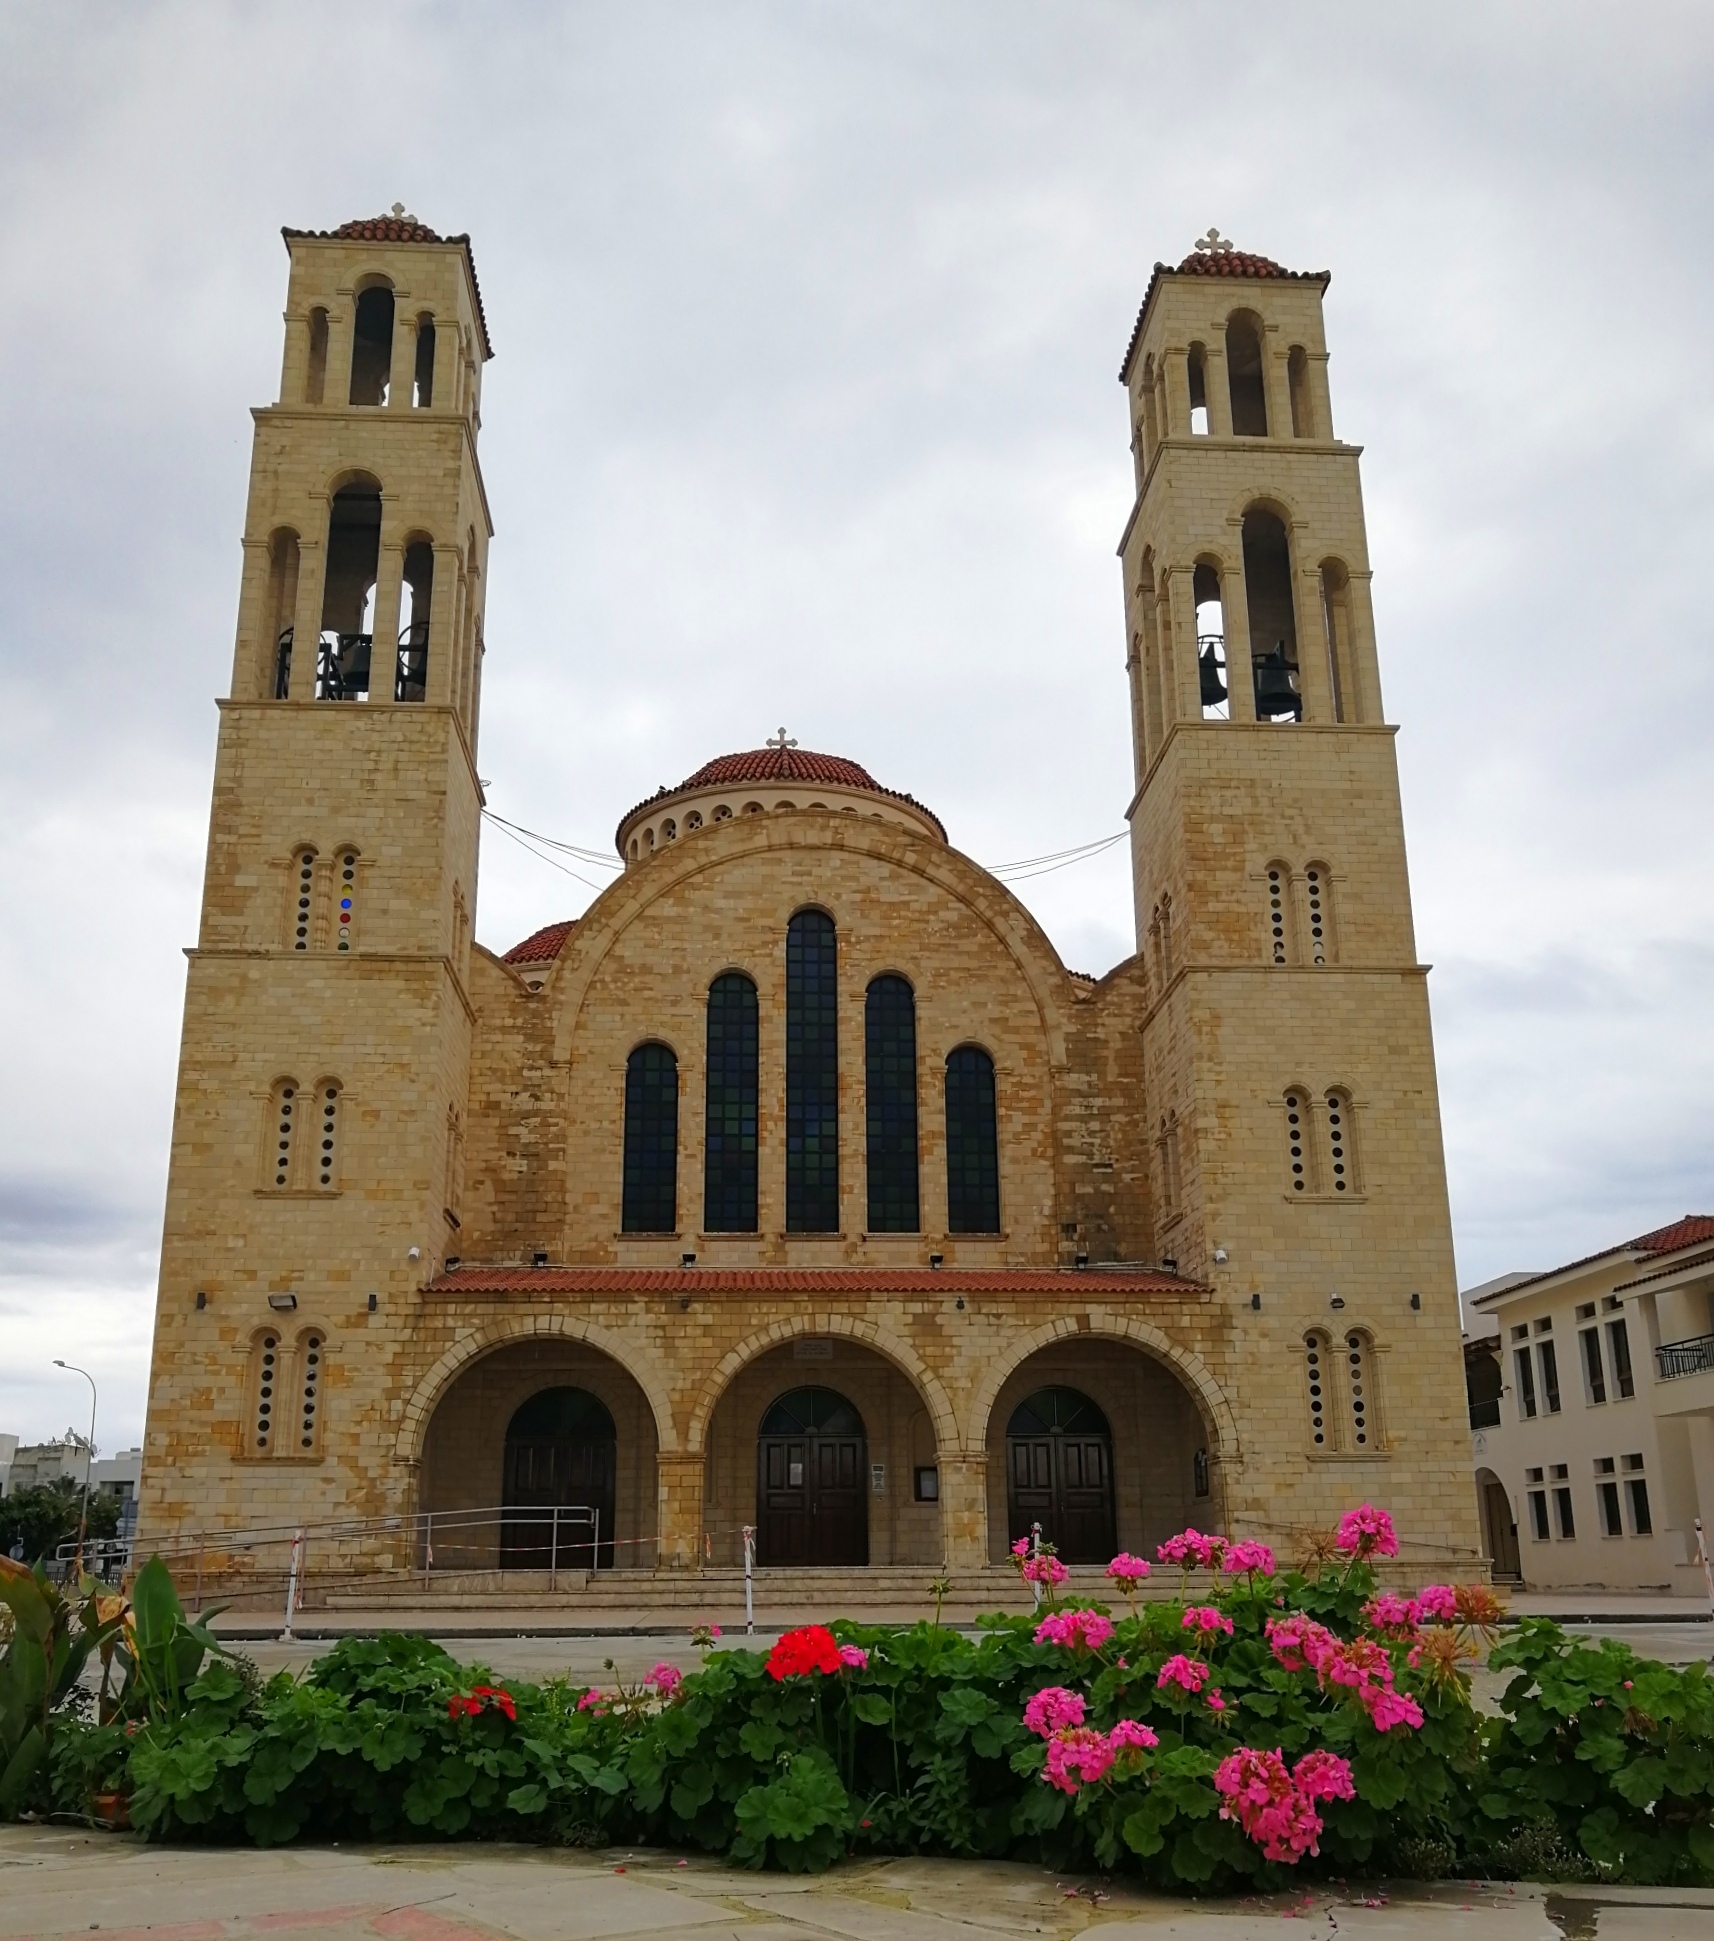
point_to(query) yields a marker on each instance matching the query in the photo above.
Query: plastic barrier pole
(553, 1553)
(749, 1580)
(292, 1585)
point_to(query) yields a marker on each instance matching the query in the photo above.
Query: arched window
(1273, 618)
(372, 346)
(812, 1074)
(310, 1354)
(1297, 1140)
(972, 1143)
(1196, 370)
(353, 559)
(303, 898)
(1318, 1370)
(327, 1130)
(1318, 902)
(1336, 618)
(315, 371)
(1213, 673)
(890, 1104)
(1244, 377)
(729, 1151)
(651, 1141)
(410, 676)
(423, 392)
(1297, 377)
(1359, 1390)
(345, 900)
(1341, 1141)
(284, 1111)
(266, 1356)
(1279, 913)
(282, 607)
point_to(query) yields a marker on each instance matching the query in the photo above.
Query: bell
(1275, 694)
(1208, 678)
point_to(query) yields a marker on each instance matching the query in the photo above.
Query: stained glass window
(812, 1075)
(729, 1158)
(972, 1143)
(890, 1091)
(651, 1141)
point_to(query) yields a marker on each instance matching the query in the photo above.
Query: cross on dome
(1214, 244)
(782, 740)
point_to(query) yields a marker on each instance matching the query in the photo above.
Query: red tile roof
(542, 945)
(1095, 1282)
(773, 765)
(1693, 1230)
(400, 229)
(1214, 262)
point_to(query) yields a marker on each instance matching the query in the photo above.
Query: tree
(45, 1515)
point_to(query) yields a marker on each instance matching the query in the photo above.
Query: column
(679, 1512)
(963, 1508)
(1163, 691)
(1365, 703)
(253, 656)
(1276, 383)
(1178, 644)
(1235, 607)
(306, 615)
(445, 364)
(341, 326)
(1313, 647)
(402, 376)
(389, 596)
(294, 362)
(447, 604)
(1320, 399)
(1219, 389)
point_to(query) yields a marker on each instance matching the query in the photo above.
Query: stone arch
(433, 1386)
(857, 1328)
(1190, 1369)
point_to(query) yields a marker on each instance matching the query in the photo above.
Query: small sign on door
(878, 1478)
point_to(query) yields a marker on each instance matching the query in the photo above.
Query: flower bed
(1290, 1723)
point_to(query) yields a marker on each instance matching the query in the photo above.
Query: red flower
(480, 1699)
(810, 1648)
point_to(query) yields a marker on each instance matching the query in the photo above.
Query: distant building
(27, 1465)
(1591, 1391)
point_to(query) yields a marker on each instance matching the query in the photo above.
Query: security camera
(1220, 1256)
(413, 1253)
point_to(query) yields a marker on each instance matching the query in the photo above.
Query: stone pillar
(306, 615)
(1235, 608)
(443, 617)
(1178, 643)
(1365, 704)
(294, 363)
(341, 328)
(402, 374)
(679, 1514)
(1276, 383)
(1218, 386)
(964, 1508)
(1320, 399)
(1313, 648)
(253, 656)
(1175, 373)
(389, 597)
(445, 364)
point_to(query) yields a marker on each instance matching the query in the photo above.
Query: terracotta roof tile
(400, 229)
(774, 765)
(1090, 1282)
(1221, 262)
(542, 945)
(1693, 1230)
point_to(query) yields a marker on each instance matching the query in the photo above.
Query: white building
(1592, 1414)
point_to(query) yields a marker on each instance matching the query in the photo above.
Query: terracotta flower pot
(114, 1810)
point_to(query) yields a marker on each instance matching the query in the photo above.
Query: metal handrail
(1692, 1357)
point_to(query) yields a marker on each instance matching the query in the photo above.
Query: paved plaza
(59, 1885)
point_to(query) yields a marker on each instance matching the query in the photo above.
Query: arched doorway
(559, 1496)
(1499, 1530)
(1059, 1473)
(811, 1483)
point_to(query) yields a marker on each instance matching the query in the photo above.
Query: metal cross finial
(782, 740)
(399, 211)
(1213, 244)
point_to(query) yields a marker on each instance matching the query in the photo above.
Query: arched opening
(972, 1142)
(1244, 376)
(1101, 1444)
(729, 1174)
(812, 1500)
(821, 1487)
(812, 1074)
(422, 395)
(282, 605)
(1273, 617)
(347, 608)
(1297, 379)
(372, 346)
(525, 1450)
(1196, 370)
(1213, 675)
(410, 681)
(651, 1141)
(890, 1104)
(1499, 1527)
(315, 369)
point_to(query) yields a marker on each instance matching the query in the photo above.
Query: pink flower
(1191, 1547)
(1387, 1708)
(1260, 1795)
(1076, 1630)
(1077, 1758)
(1438, 1602)
(1127, 1570)
(1204, 1617)
(1298, 1642)
(665, 1678)
(592, 1702)
(1132, 1733)
(1250, 1556)
(853, 1657)
(1215, 1702)
(1053, 1709)
(1367, 1532)
(1189, 1674)
(1358, 1664)
(1323, 1775)
(1044, 1570)
(1395, 1615)
(1021, 1548)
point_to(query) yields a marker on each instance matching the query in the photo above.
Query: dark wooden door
(811, 1504)
(561, 1454)
(1502, 1532)
(1059, 1473)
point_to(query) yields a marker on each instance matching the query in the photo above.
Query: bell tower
(314, 1181)
(1293, 1108)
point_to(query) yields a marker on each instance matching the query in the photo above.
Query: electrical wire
(552, 862)
(600, 858)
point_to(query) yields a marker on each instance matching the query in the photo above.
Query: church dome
(757, 781)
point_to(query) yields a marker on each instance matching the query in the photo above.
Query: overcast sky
(807, 319)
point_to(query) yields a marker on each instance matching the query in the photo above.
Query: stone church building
(798, 1185)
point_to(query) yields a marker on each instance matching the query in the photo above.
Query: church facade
(797, 1186)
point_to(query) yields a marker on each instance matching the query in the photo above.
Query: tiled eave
(1079, 1284)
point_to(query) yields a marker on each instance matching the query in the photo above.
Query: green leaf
(966, 1706)
(873, 1708)
(527, 1799)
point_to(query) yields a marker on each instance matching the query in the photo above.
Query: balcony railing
(1693, 1357)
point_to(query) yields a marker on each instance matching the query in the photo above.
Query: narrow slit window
(651, 1141)
(812, 1074)
(1360, 1389)
(1297, 1129)
(1549, 1375)
(1642, 1523)
(1340, 1155)
(972, 1143)
(1318, 896)
(1594, 1377)
(1538, 1515)
(1316, 1359)
(1278, 890)
(265, 1393)
(1612, 1522)
(346, 913)
(327, 1144)
(1526, 1383)
(309, 1396)
(1619, 1353)
(283, 1115)
(303, 898)
(423, 391)
(315, 372)
(890, 1104)
(730, 1149)
(1196, 371)
(1564, 1514)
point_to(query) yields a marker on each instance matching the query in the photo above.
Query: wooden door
(1502, 1532)
(561, 1454)
(1059, 1473)
(810, 1500)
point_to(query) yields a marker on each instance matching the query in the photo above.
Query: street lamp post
(72, 1368)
